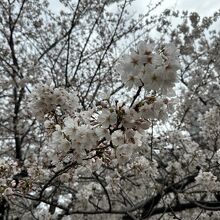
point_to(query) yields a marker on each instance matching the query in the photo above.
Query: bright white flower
(103, 132)
(145, 49)
(131, 78)
(124, 152)
(85, 138)
(107, 118)
(152, 80)
(118, 138)
(130, 117)
(71, 127)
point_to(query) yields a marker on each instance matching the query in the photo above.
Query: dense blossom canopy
(101, 121)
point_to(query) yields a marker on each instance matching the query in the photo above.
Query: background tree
(76, 143)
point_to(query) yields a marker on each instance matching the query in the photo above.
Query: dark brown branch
(106, 50)
(105, 190)
(150, 204)
(73, 23)
(136, 95)
(87, 41)
(209, 205)
(57, 174)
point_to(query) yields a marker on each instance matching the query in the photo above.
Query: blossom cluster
(210, 125)
(149, 66)
(46, 99)
(108, 135)
(113, 157)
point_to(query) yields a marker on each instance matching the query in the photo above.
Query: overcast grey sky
(203, 7)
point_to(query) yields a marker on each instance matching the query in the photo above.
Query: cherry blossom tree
(99, 119)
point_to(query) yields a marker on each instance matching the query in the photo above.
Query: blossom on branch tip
(107, 118)
(147, 66)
